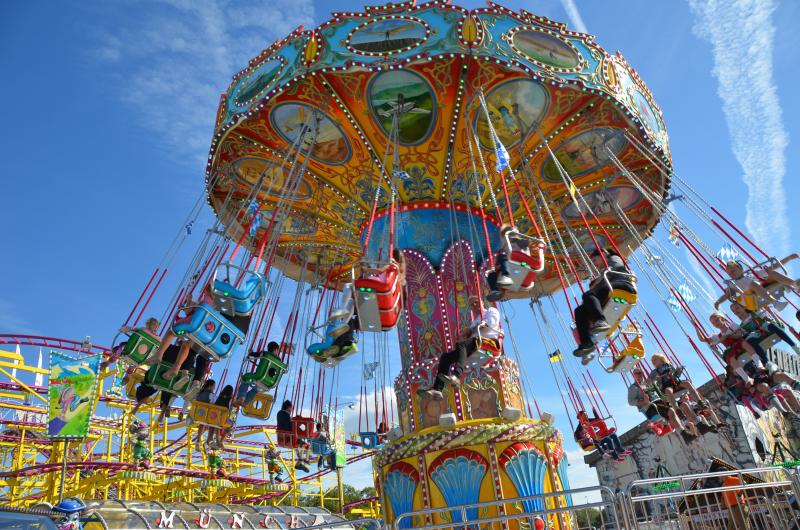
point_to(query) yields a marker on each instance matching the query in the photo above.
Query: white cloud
(574, 15)
(741, 34)
(171, 64)
(581, 475)
(12, 322)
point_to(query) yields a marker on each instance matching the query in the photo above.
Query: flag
(674, 303)
(503, 158)
(686, 292)
(727, 253)
(673, 235)
(555, 357)
(369, 370)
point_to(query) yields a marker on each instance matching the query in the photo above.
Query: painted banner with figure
(339, 439)
(71, 392)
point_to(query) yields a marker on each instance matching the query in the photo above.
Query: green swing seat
(268, 372)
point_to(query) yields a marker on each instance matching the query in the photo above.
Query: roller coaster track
(52, 343)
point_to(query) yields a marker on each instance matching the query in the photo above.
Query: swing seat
(268, 373)
(155, 378)
(238, 302)
(769, 341)
(211, 331)
(302, 428)
(627, 358)
(369, 440)
(259, 407)
(234, 301)
(377, 299)
(320, 447)
(587, 444)
(139, 347)
(212, 415)
(135, 378)
(617, 307)
(660, 428)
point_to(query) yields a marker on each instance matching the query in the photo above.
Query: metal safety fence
(752, 499)
(763, 498)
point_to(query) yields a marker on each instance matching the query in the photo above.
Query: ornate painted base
(475, 461)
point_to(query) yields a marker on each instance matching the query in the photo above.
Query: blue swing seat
(238, 302)
(369, 440)
(320, 447)
(211, 331)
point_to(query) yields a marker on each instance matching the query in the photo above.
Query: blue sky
(108, 110)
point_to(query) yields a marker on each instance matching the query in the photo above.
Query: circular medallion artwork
(257, 82)
(514, 107)
(409, 95)
(326, 257)
(586, 241)
(387, 36)
(249, 170)
(625, 196)
(297, 224)
(646, 112)
(585, 152)
(544, 48)
(291, 119)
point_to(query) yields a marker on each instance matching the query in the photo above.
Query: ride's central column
(478, 443)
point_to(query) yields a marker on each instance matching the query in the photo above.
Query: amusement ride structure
(368, 176)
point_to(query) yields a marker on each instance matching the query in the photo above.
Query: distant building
(744, 441)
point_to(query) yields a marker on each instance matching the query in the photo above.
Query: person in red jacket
(605, 437)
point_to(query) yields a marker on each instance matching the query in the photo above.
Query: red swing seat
(302, 428)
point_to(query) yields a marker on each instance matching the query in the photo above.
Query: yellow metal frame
(31, 462)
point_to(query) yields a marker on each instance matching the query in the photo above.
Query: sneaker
(450, 380)
(600, 326)
(430, 393)
(583, 349)
(620, 459)
(301, 467)
(627, 452)
(183, 378)
(494, 296)
(504, 281)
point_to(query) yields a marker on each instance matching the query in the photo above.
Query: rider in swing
(589, 318)
(486, 326)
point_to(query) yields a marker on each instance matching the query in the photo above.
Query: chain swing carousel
(413, 168)
(426, 129)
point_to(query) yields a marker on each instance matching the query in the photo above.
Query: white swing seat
(769, 341)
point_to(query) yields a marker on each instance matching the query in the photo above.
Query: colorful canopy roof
(433, 60)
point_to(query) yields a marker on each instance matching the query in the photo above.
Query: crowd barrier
(751, 499)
